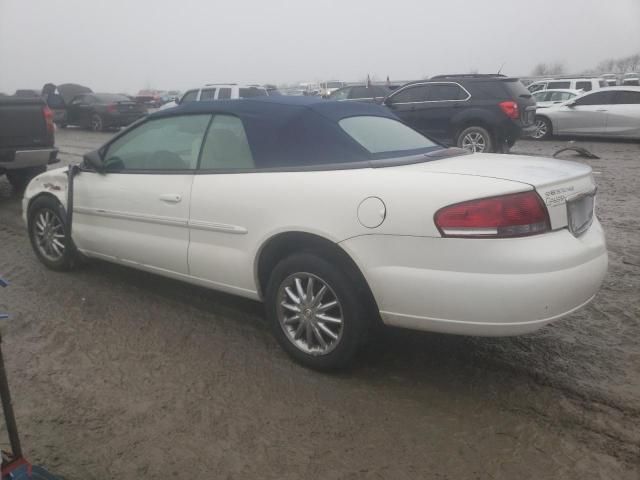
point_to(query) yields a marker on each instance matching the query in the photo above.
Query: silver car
(607, 112)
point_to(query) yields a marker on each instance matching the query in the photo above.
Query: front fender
(52, 182)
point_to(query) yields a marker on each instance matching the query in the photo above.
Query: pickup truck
(26, 139)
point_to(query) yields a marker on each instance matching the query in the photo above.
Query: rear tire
(47, 225)
(324, 337)
(19, 179)
(475, 139)
(544, 129)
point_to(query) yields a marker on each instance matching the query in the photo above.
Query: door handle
(171, 197)
(601, 110)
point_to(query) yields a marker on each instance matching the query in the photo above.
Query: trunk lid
(129, 107)
(556, 181)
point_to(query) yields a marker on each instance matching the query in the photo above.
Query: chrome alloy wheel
(49, 234)
(310, 313)
(541, 129)
(474, 142)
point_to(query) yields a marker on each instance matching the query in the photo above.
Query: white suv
(585, 84)
(218, 91)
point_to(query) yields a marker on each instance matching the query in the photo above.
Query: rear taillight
(48, 119)
(510, 109)
(515, 215)
(112, 108)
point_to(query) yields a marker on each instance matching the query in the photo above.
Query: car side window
(224, 93)
(190, 96)
(78, 100)
(442, 92)
(208, 94)
(171, 143)
(598, 98)
(417, 93)
(226, 146)
(559, 96)
(552, 85)
(586, 86)
(252, 92)
(627, 98)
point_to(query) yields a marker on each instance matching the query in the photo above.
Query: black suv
(481, 113)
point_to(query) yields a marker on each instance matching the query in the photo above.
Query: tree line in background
(610, 65)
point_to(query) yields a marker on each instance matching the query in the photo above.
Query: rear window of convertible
(381, 134)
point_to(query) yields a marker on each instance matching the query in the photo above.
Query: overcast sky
(126, 45)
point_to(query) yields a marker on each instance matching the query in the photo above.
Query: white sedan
(336, 215)
(606, 112)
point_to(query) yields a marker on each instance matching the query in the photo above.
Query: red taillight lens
(510, 109)
(514, 215)
(48, 118)
(112, 108)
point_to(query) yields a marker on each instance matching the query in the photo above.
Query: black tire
(481, 134)
(19, 179)
(50, 205)
(544, 129)
(97, 123)
(353, 309)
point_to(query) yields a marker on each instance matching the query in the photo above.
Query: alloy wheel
(541, 129)
(310, 314)
(474, 142)
(49, 234)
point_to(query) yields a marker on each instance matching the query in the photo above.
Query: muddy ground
(122, 374)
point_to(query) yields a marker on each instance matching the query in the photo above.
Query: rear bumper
(481, 287)
(27, 158)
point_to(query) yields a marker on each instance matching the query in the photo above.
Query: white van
(584, 84)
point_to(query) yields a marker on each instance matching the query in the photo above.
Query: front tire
(315, 311)
(543, 130)
(49, 236)
(475, 139)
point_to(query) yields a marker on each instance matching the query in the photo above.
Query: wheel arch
(547, 118)
(282, 244)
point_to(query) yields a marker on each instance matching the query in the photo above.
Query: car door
(223, 214)
(86, 109)
(624, 114)
(587, 115)
(74, 110)
(407, 103)
(136, 211)
(444, 100)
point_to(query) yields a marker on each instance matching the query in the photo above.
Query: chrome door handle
(171, 197)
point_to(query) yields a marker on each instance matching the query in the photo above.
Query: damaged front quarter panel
(53, 182)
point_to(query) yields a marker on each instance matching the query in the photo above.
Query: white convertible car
(336, 215)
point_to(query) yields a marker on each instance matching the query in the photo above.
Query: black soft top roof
(284, 131)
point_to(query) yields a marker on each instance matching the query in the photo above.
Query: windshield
(383, 135)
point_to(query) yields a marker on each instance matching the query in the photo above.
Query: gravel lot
(121, 374)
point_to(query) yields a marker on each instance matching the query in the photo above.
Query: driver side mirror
(388, 102)
(571, 103)
(93, 160)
